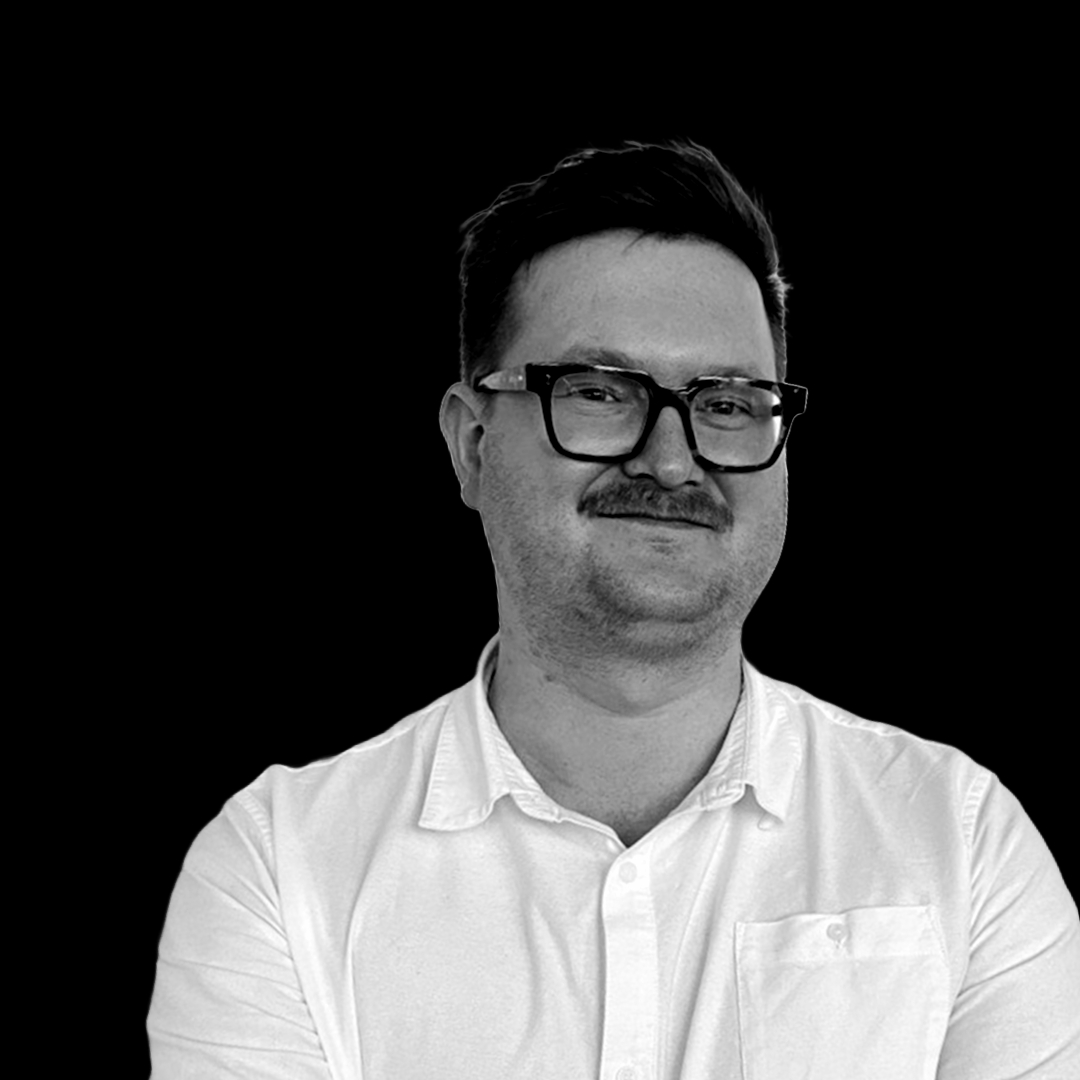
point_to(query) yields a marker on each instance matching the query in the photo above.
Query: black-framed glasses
(598, 413)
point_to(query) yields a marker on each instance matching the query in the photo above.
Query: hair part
(675, 190)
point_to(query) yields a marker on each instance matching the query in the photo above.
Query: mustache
(649, 500)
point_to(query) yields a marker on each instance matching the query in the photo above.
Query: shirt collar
(474, 765)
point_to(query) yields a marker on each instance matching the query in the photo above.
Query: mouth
(646, 519)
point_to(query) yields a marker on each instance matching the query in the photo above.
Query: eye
(598, 388)
(716, 404)
(593, 393)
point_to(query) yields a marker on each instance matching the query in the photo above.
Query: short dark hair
(673, 190)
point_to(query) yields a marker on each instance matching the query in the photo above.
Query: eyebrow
(598, 354)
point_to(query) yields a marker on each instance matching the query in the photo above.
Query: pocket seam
(757, 933)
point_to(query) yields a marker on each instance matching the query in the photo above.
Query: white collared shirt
(836, 900)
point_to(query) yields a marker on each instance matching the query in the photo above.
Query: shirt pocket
(860, 993)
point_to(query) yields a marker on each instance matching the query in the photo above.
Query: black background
(302, 571)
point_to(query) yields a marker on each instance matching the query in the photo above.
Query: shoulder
(388, 768)
(836, 742)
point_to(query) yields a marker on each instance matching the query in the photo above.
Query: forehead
(678, 308)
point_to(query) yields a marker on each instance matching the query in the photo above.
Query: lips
(658, 517)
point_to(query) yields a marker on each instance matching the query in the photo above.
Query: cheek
(514, 493)
(756, 496)
(763, 515)
(525, 484)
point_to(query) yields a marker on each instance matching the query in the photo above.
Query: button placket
(631, 986)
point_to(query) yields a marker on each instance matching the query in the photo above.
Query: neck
(619, 740)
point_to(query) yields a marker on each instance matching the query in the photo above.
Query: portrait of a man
(621, 850)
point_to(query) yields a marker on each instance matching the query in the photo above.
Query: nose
(666, 455)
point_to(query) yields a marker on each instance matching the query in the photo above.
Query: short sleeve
(1017, 1014)
(227, 1000)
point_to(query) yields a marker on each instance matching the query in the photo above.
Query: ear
(461, 417)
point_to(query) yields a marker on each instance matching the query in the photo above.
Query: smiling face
(584, 588)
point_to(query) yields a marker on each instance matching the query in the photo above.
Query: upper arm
(1017, 1014)
(227, 1000)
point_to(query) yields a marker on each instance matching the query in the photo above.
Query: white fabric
(836, 900)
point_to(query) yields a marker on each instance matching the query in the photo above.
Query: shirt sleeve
(1017, 1015)
(227, 1000)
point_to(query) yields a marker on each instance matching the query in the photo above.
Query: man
(620, 851)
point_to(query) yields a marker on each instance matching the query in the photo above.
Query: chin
(658, 643)
(659, 600)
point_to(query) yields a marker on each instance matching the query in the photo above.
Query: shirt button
(628, 871)
(625, 1073)
(837, 932)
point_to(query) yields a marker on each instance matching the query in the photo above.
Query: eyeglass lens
(603, 414)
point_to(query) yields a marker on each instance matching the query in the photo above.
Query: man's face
(586, 587)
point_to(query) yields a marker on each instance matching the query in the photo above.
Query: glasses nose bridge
(663, 397)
